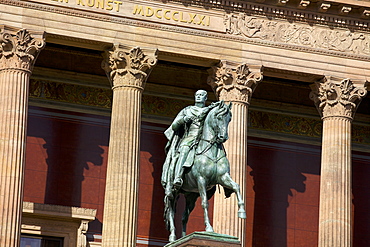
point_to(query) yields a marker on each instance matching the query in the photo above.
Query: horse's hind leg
(226, 181)
(191, 198)
(203, 196)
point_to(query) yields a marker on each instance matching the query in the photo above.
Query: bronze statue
(196, 160)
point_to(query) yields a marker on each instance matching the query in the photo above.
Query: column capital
(129, 67)
(19, 48)
(337, 97)
(234, 82)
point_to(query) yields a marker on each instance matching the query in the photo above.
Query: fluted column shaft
(128, 70)
(336, 101)
(17, 55)
(335, 188)
(225, 214)
(234, 83)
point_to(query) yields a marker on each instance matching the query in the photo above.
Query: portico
(262, 56)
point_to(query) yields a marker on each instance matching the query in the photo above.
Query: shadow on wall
(278, 177)
(74, 159)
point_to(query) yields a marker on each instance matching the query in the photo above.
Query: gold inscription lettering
(79, 2)
(100, 4)
(138, 9)
(173, 16)
(90, 3)
(149, 12)
(118, 3)
(165, 14)
(192, 18)
(157, 13)
(201, 19)
(109, 5)
(181, 17)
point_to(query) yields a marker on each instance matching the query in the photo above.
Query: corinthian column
(336, 101)
(18, 52)
(234, 83)
(128, 70)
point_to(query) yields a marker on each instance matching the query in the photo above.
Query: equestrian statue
(196, 160)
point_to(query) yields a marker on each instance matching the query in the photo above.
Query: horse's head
(220, 118)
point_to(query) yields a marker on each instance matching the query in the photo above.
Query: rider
(188, 126)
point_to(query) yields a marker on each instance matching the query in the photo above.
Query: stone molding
(129, 67)
(19, 48)
(335, 97)
(59, 211)
(249, 8)
(236, 6)
(55, 220)
(234, 82)
(319, 37)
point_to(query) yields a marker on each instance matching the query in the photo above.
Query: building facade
(87, 88)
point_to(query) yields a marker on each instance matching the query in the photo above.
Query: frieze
(253, 8)
(166, 107)
(297, 34)
(70, 93)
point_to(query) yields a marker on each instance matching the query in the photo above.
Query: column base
(206, 239)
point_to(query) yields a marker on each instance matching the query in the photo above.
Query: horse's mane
(221, 109)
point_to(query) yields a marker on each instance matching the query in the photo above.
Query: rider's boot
(177, 182)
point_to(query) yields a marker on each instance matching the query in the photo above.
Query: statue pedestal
(206, 239)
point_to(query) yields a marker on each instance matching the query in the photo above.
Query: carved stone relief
(337, 98)
(19, 48)
(232, 82)
(127, 67)
(297, 34)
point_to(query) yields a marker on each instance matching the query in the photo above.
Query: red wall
(66, 160)
(66, 165)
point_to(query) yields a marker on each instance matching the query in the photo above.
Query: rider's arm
(180, 120)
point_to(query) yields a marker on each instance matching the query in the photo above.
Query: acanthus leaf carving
(232, 82)
(19, 48)
(337, 98)
(342, 40)
(127, 67)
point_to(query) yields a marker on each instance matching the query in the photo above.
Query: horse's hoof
(209, 229)
(242, 215)
(172, 238)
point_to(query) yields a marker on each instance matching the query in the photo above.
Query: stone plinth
(206, 239)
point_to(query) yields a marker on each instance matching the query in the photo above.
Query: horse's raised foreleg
(203, 196)
(191, 198)
(228, 182)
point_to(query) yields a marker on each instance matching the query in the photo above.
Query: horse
(210, 167)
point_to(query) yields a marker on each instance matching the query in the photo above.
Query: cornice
(59, 211)
(255, 9)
